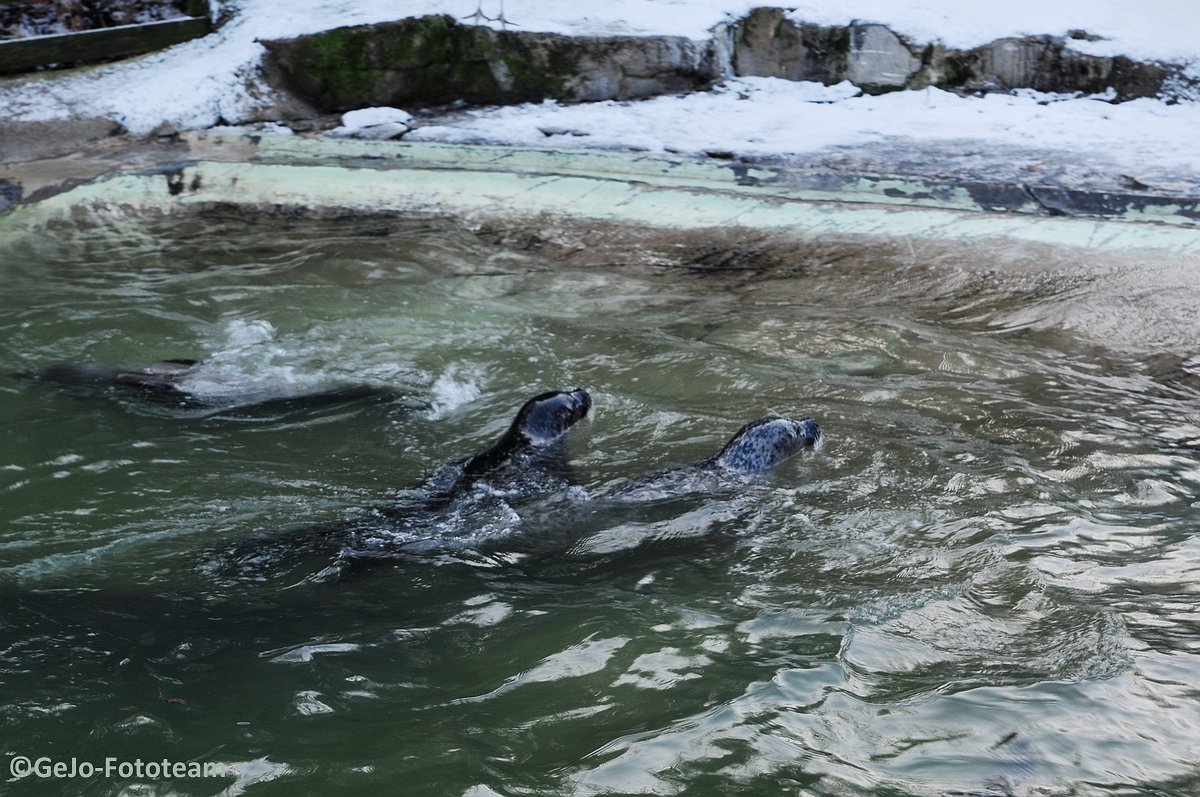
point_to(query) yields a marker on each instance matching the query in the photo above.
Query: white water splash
(248, 358)
(451, 390)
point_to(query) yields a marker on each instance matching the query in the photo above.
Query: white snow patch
(198, 83)
(768, 116)
(1151, 30)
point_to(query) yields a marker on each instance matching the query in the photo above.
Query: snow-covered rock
(376, 124)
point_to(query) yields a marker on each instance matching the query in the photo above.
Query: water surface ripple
(984, 583)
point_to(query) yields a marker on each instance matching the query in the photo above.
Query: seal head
(763, 444)
(758, 446)
(539, 425)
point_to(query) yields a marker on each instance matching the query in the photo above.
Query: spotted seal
(757, 447)
(763, 444)
(664, 512)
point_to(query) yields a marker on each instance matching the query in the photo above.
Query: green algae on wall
(432, 58)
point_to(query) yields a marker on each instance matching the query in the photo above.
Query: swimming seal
(527, 463)
(156, 382)
(532, 447)
(758, 446)
(763, 444)
(655, 513)
(166, 384)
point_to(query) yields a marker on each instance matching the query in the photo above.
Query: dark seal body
(166, 385)
(157, 382)
(533, 449)
(451, 513)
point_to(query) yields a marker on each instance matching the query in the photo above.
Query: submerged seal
(177, 384)
(157, 382)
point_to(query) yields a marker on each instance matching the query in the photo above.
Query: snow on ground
(193, 85)
(768, 116)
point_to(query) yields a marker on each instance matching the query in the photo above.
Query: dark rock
(433, 60)
(1045, 63)
(768, 44)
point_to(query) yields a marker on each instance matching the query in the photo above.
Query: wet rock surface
(434, 60)
(1011, 180)
(948, 174)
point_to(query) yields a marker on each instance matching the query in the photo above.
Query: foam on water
(454, 388)
(247, 357)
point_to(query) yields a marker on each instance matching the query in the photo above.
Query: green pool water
(984, 582)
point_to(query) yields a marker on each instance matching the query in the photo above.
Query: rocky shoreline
(437, 61)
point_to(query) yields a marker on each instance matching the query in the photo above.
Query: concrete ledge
(38, 180)
(753, 177)
(298, 176)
